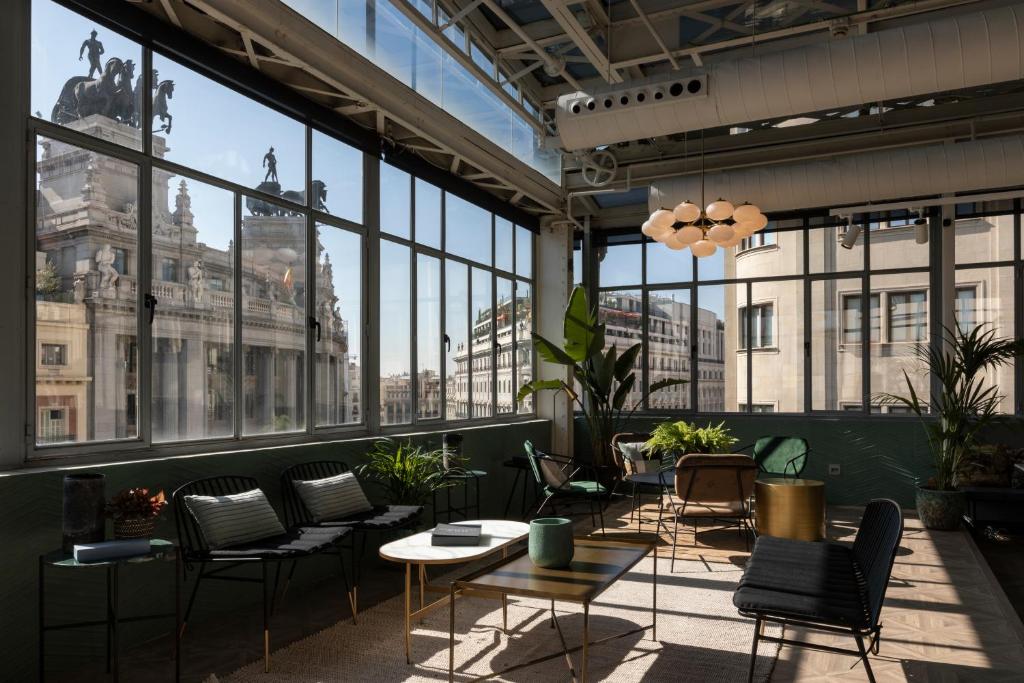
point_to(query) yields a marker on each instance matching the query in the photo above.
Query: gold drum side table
(790, 508)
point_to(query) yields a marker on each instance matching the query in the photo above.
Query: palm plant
(605, 377)
(961, 401)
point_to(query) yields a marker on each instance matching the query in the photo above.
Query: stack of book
(455, 534)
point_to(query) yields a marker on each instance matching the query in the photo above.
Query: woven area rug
(700, 637)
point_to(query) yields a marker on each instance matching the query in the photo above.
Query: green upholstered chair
(780, 456)
(556, 477)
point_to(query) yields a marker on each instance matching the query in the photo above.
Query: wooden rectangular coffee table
(596, 564)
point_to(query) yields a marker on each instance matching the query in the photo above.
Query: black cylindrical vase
(84, 500)
(451, 448)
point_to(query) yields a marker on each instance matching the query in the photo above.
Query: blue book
(111, 550)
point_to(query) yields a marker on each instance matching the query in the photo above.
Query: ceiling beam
(563, 13)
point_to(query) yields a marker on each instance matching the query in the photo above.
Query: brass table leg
(586, 638)
(408, 610)
(504, 600)
(451, 633)
(422, 574)
(654, 595)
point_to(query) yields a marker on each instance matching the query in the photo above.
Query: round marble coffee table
(495, 535)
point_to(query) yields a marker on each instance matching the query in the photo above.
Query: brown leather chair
(713, 487)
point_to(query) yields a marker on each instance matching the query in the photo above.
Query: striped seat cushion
(333, 498)
(237, 518)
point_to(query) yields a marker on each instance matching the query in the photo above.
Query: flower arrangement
(135, 512)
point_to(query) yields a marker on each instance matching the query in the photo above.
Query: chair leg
(273, 593)
(192, 599)
(593, 520)
(600, 513)
(675, 540)
(266, 621)
(632, 503)
(348, 589)
(864, 657)
(288, 579)
(753, 650)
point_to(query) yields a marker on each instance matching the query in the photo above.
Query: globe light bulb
(721, 232)
(686, 212)
(673, 242)
(759, 222)
(649, 229)
(719, 210)
(689, 234)
(731, 242)
(745, 212)
(662, 218)
(703, 248)
(744, 229)
(663, 234)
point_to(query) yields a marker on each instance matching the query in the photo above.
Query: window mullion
(144, 336)
(238, 357)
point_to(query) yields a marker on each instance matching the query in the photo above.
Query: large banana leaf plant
(605, 377)
(961, 405)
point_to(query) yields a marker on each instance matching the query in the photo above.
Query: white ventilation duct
(930, 57)
(858, 178)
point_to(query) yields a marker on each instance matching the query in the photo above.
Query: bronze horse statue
(109, 95)
(164, 92)
(259, 207)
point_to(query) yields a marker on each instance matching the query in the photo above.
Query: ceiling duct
(957, 52)
(851, 179)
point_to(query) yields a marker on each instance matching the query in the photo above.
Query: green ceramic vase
(551, 544)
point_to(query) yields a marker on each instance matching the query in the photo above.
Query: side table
(790, 508)
(459, 477)
(159, 549)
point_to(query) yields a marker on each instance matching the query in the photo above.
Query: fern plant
(408, 474)
(683, 437)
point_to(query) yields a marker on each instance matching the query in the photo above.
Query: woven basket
(134, 528)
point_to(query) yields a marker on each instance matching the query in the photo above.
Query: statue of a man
(105, 258)
(95, 49)
(270, 162)
(196, 281)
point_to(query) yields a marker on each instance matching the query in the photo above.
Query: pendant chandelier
(719, 224)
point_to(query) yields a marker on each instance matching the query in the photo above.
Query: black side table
(459, 477)
(159, 549)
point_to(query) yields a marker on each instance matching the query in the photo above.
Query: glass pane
(274, 318)
(577, 263)
(777, 345)
(193, 330)
(985, 296)
(904, 336)
(395, 201)
(668, 346)
(894, 245)
(620, 265)
(467, 230)
(456, 330)
(96, 91)
(524, 252)
(721, 362)
(668, 265)
(524, 343)
(483, 343)
(836, 351)
(395, 334)
(504, 235)
(428, 214)
(770, 252)
(428, 337)
(226, 134)
(827, 254)
(339, 287)
(984, 239)
(622, 313)
(86, 252)
(337, 178)
(505, 350)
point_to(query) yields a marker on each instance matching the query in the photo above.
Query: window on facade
(523, 343)
(482, 350)
(337, 178)
(758, 239)
(85, 295)
(908, 316)
(274, 321)
(777, 331)
(853, 320)
(395, 334)
(965, 308)
(621, 311)
(193, 393)
(669, 320)
(339, 368)
(756, 323)
(836, 356)
(504, 337)
(53, 354)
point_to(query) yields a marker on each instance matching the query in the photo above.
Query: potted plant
(135, 512)
(605, 377)
(681, 438)
(960, 406)
(408, 474)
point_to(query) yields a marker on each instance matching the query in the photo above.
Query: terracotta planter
(134, 528)
(941, 510)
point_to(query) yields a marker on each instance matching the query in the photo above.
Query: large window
(228, 299)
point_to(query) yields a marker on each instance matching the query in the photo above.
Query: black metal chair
(563, 488)
(827, 587)
(295, 544)
(382, 519)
